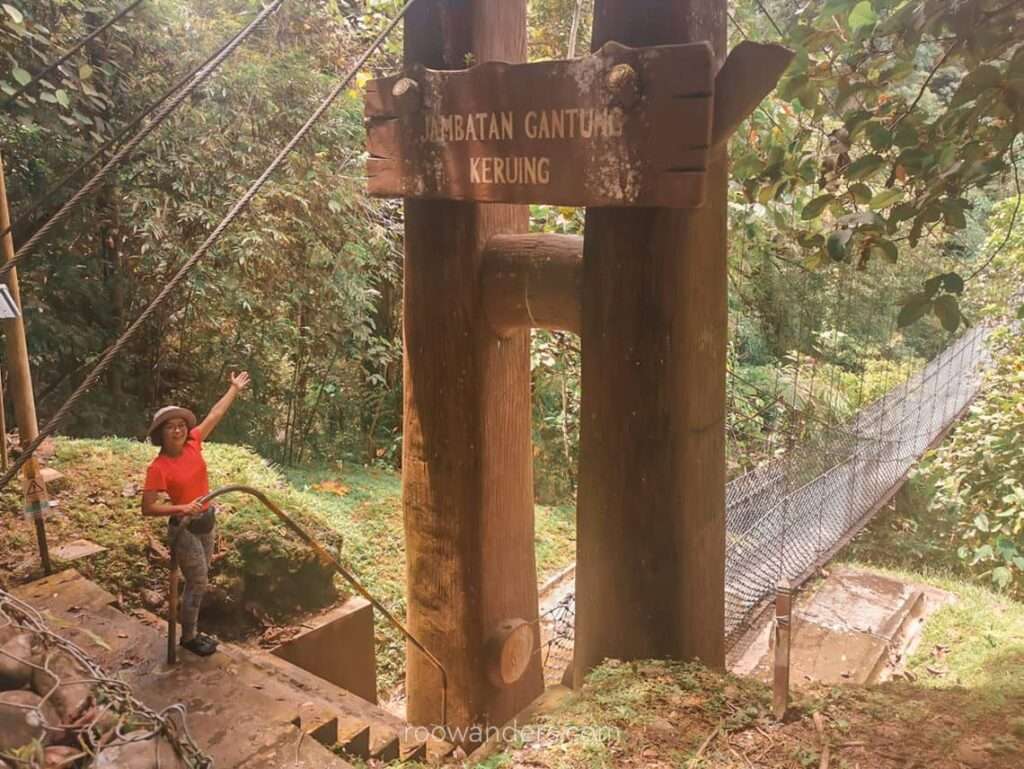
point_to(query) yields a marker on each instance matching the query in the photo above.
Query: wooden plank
(563, 132)
(651, 519)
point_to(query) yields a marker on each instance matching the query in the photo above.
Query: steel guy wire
(128, 147)
(240, 205)
(69, 53)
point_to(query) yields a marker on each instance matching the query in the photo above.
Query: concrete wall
(339, 648)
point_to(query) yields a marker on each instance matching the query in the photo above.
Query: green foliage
(979, 473)
(303, 291)
(550, 27)
(890, 116)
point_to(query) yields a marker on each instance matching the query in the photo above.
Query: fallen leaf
(332, 487)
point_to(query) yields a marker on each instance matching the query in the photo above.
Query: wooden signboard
(622, 127)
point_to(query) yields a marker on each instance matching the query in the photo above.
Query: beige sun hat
(166, 413)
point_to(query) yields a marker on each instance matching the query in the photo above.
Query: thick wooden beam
(467, 474)
(651, 534)
(533, 281)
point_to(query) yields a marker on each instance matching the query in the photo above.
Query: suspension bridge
(790, 516)
(783, 519)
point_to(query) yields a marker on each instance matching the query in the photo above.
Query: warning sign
(37, 499)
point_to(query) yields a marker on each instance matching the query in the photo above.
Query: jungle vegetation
(873, 207)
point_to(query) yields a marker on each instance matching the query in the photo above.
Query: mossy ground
(356, 511)
(662, 715)
(959, 706)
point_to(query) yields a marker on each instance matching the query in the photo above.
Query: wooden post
(651, 533)
(4, 459)
(19, 372)
(783, 630)
(467, 472)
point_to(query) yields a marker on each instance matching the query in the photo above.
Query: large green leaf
(865, 167)
(915, 308)
(976, 83)
(862, 15)
(814, 209)
(885, 199)
(837, 243)
(947, 310)
(16, 16)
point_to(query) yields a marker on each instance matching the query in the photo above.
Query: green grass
(355, 511)
(981, 635)
(365, 507)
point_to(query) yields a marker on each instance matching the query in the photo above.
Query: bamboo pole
(20, 373)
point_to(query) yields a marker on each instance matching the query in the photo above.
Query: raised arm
(238, 383)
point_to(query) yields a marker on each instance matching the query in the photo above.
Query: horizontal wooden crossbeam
(533, 281)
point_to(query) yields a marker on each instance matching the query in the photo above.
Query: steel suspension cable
(51, 192)
(71, 52)
(126, 149)
(240, 205)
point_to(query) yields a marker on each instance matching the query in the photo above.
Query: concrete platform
(240, 713)
(855, 626)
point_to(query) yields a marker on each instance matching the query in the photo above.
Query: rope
(43, 200)
(118, 712)
(213, 237)
(164, 112)
(71, 52)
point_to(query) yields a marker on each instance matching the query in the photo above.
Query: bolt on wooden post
(637, 136)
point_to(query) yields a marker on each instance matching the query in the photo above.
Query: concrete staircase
(246, 709)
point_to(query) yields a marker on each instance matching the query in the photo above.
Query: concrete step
(389, 738)
(229, 715)
(285, 706)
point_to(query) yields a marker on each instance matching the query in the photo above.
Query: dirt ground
(663, 716)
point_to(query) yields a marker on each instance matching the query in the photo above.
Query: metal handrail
(326, 558)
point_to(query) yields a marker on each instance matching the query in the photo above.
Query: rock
(659, 724)
(7, 632)
(136, 752)
(15, 658)
(70, 699)
(61, 757)
(18, 725)
(151, 599)
(158, 552)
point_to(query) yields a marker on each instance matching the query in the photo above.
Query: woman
(179, 472)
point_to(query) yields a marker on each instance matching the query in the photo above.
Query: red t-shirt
(183, 477)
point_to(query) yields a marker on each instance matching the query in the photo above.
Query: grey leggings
(194, 552)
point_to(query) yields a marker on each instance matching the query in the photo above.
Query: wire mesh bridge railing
(792, 514)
